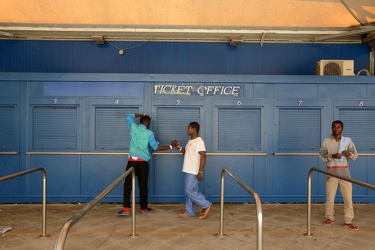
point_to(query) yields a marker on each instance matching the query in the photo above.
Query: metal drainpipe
(372, 54)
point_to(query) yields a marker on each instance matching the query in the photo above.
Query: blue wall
(78, 175)
(174, 58)
(269, 77)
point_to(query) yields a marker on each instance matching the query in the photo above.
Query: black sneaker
(146, 210)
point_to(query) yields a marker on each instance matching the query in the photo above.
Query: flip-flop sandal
(351, 227)
(328, 222)
(205, 213)
(184, 215)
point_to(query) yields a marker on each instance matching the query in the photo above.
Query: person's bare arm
(201, 165)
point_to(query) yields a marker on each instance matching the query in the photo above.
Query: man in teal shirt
(141, 139)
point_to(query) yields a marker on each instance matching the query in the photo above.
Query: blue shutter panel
(111, 130)
(299, 129)
(239, 129)
(7, 127)
(172, 123)
(359, 124)
(54, 127)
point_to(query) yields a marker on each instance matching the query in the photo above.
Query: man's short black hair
(195, 125)
(338, 121)
(144, 118)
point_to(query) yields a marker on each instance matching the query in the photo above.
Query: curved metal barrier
(60, 242)
(360, 183)
(44, 175)
(258, 204)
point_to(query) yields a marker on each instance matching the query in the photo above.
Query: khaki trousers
(346, 191)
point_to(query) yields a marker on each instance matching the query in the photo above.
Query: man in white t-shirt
(194, 162)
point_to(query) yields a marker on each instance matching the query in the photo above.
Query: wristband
(200, 172)
(180, 149)
(170, 146)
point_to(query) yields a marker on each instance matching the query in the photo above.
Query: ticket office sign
(198, 90)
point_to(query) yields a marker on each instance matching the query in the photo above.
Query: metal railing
(44, 194)
(126, 153)
(311, 154)
(360, 183)
(258, 204)
(219, 153)
(60, 242)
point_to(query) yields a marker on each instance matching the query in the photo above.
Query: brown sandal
(205, 212)
(351, 227)
(184, 215)
(328, 222)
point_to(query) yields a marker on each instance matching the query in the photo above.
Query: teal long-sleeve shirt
(140, 139)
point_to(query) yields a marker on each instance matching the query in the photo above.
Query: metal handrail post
(44, 192)
(60, 242)
(360, 183)
(258, 204)
(222, 203)
(309, 203)
(44, 202)
(133, 205)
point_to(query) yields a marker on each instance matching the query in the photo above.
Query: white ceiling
(252, 21)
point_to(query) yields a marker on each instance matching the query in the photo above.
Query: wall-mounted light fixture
(98, 39)
(235, 41)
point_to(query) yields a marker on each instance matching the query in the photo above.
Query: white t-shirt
(192, 157)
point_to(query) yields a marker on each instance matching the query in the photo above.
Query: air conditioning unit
(335, 68)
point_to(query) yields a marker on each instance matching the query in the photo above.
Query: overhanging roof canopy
(260, 21)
